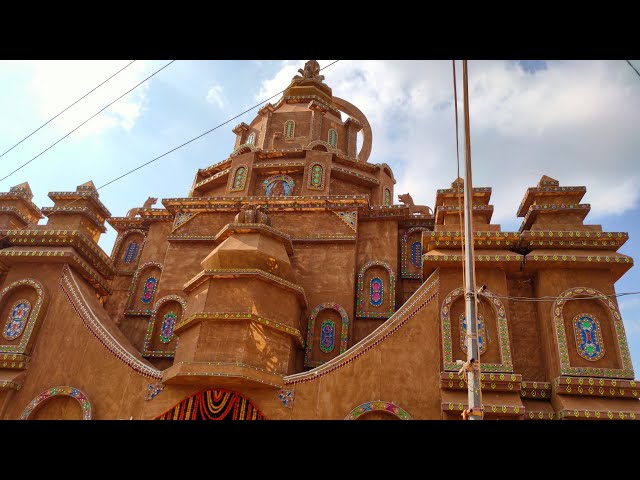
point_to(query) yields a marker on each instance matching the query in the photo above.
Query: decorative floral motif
(52, 392)
(482, 334)
(17, 319)
(588, 337)
(350, 218)
(344, 332)
(239, 179)
(278, 186)
(21, 347)
(360, 311)
(315, 180)
(168, 324)
(503, 333)
(327, 336)
(376, 296)
(286, 397)
(565, 367)
(149, 289)
(214, 405)
(378, 406)
(132, 251)
(181, 218)
(153, 390)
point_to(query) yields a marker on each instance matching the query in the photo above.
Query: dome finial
(311, 72)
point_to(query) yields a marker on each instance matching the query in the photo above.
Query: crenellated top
(449, 209)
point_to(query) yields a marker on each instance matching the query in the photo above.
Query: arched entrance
(215, 404)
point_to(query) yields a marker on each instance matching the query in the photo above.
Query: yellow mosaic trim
(480, 258)
(535, 390)
(9, 384)
(597, 414)
(243, 316)
(597, 386)
(580, 258)
(539, 415)
(504, 409)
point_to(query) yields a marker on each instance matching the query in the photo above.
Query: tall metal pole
(473, 351)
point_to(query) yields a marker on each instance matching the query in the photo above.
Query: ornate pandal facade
(287, 284)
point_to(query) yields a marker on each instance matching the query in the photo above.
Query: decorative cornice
(600, 387)
(572, 239)
(269, 323)
(534, 210)
(92, 196)
(202, 277)
(534, 193)
(22, 197)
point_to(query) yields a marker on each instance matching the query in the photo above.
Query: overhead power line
(634, 68)
(56, 116)
(199, 136)
(92, 116)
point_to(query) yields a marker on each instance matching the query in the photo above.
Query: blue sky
(576, 121)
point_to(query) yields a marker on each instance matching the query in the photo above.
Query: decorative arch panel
(142, 291)
(160, 340)
(239, 178)
(128, 250)
(215, 404)
(325, 334)
(22, 303)
(376, 296)
(378, 405)
(589, 338)
(411, 253)
(45, 396)
(506, 362)
(316, 176)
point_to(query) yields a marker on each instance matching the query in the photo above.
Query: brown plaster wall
(338, 186)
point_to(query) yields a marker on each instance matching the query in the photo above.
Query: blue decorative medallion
(416, 253)
(327, 336)
(482, 334)
(375, 292)
(588, 337)
(166, 330)
(132, 250)
(149, 290)
(17, 320)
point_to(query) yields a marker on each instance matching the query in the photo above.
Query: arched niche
(568, 309)
(378, 410)
(144, 287)
(22, 304)
(411, 253)
(44, 407)
(215, 404)
(497, 350)
(376, 290)
(279, 185)
(160, 340)
(328, 334)
(238, 178)
(128, 250)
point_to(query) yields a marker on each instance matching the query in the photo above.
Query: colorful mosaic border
(561, 337)
(360, 303)
(71, 289)
(25, 337)
(596, 415)
(598, 336)
(344, 331)
(405, 256)
(146, 349)
(378, 405)
(501, 324)
(53, 392)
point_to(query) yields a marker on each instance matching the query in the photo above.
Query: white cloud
(56, 84)
(214, 96)
(575, 121)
